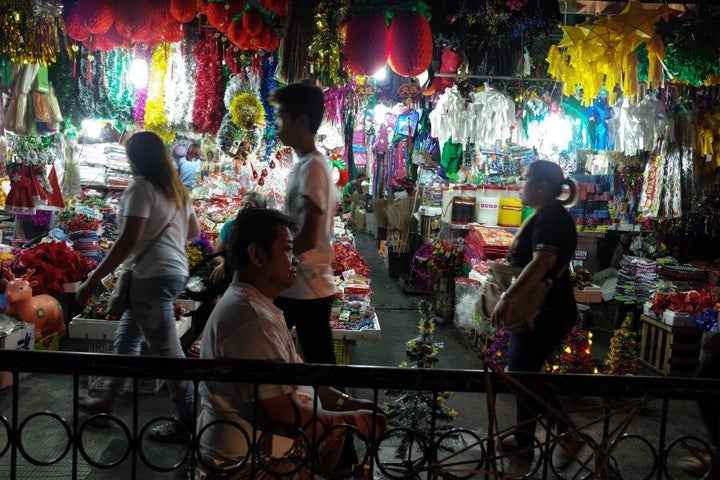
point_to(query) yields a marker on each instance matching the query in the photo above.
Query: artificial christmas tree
(624, 352)
(414, 409)
(575, 356)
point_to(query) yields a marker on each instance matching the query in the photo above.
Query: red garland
(208, 105)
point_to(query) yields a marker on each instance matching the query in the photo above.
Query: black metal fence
(606, 416)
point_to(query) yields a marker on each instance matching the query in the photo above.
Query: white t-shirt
(167, 257)
(311, 178)
(244, 324)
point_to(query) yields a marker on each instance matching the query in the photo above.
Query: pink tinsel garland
(208, 105)
(139, 110)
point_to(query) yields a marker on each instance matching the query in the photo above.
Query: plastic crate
(100, 384)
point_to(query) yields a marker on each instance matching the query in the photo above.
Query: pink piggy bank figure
(42, 310)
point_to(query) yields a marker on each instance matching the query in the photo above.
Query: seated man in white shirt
(245, 324)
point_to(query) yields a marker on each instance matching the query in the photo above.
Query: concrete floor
(398, 318)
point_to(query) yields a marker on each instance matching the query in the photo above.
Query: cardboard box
(49, 343)
(18, 336)
(589, 294)
(650, 313)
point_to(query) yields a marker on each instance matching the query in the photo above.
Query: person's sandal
(509, 447)
(193, 351)
(170, 432)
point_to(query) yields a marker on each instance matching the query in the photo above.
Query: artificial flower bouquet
(78, 218)
(96, 307)
(438, 259)
(692, 302)
(55, 264)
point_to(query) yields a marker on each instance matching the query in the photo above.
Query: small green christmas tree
(413, 409)
(623, 354)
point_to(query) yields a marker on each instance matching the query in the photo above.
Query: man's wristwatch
(340, 402)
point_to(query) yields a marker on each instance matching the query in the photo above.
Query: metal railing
(603, 413)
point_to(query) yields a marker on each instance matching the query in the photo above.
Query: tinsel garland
(624, 353)
(234, 87)
(139, 110)
(708, 320)
(31, 31)
(41, 218)
(267, 85)
(155, 118)
(246, 110)
(121, 91)
(325, 51)
(208, 107)
(178, 87)
(229, 133)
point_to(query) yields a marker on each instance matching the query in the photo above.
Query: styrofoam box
(98, 329)
(678, 319)
(589, 294)
(650, 313)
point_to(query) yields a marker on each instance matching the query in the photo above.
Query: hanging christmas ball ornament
(183, 10)
(261, 181)
(366, 43)
(74, 27)
(95, 15)
(272, 164)
(264, 172)
(410, 44)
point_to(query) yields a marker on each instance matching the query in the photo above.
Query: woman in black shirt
(543, 247)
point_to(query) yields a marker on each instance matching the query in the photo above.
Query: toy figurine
(42, 310)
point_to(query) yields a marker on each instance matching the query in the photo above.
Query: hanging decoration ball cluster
(406, 45)
(104, 25)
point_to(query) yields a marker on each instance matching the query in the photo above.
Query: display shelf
(353, 335)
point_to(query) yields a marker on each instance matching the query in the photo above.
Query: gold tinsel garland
(31, 30)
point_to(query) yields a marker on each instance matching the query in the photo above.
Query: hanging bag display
(525, 310)
(119, 299)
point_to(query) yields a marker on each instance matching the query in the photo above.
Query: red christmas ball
(183, 10)
(95, 15)
(74, 27)
(272, 164)
(410, 43)
(261, 182)
(264, 172)
(366, 43)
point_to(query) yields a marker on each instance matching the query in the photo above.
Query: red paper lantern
(280, 7)
(161, 12)
(183, 10)
(410, 43)
(75, 29)
(218, 15)
(253, 23)
(237, 34)
(133, 23)
(96, 16)
(173, 32)
(366, 43)
(154, 35)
